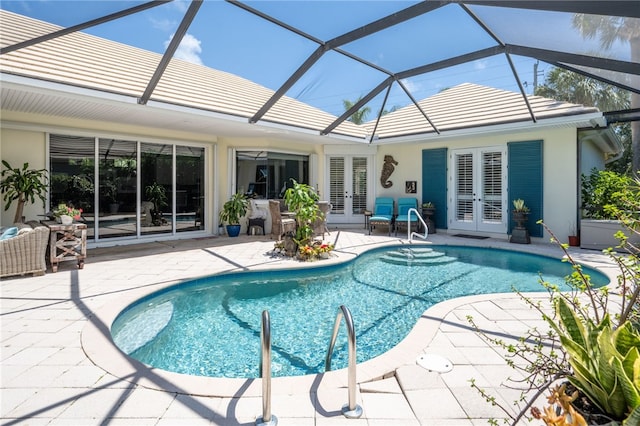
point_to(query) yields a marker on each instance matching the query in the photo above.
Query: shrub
(604, 191)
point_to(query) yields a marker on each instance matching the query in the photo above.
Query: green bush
(603, 193)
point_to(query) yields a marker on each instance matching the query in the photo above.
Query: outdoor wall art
(387, 170)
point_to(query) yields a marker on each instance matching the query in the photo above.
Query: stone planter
(66, 219)
(599, 234)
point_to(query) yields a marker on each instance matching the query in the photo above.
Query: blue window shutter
(434, 183)
(525, 181)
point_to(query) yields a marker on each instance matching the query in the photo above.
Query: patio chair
(382, 214)
(403, 218)
(257, 216)
(279, 225)
(320, 224)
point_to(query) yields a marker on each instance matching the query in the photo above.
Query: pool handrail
(410, 234)
(351, 409)
(267, 418)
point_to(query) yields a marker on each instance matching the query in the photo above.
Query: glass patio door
(479, 199)
(348, 188)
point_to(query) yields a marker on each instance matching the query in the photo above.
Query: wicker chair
(279, 225)
(25, 253)
(320, 224)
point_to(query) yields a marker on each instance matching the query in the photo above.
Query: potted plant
(67, 213)
(428, 210)
(156, 194)
(302, 199)
(22, 185)
(232, 211)
(110, 193)
(574, 238)
(520, 212)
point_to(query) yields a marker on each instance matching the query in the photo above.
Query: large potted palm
(232, 211)
(22, 185)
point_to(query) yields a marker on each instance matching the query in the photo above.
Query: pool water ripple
(214, 326)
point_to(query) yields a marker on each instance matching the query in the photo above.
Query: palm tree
(359, 116)
(610, 29)
(571, 87)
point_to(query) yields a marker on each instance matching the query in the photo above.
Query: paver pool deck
(59, 366)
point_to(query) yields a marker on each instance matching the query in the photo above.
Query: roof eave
(592, 119)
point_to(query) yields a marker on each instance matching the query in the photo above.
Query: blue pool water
(211, 327)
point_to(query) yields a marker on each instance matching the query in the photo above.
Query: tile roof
(86, 61)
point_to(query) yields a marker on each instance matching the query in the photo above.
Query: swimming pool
(211, 327)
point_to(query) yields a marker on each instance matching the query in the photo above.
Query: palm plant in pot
(22, 185)
(232, 211)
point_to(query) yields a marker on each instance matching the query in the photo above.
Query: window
(263, 174)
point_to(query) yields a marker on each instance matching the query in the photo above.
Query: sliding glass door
(126, 188)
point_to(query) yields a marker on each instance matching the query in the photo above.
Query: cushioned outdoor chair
(279, 225)
(25, 252)
(382, 214)
(403, 218)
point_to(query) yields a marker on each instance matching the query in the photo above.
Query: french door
(479, 196)
(348, 184)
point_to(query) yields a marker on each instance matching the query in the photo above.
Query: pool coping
(99, 347)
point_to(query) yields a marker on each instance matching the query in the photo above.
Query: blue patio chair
(382, 214)
(403, 218)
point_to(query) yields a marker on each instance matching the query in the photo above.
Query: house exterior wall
(23, 138)
(18, 147)
(559, 170)
(590, 157)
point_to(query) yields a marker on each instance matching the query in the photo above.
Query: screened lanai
(361, 60)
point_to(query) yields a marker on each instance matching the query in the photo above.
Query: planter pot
(574, 240)
(233, 230)
(66, 220)
(599, 234)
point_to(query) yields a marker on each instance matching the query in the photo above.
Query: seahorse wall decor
(387, 169)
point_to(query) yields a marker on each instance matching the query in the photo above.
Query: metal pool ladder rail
(267, 418)
(410, 234)
(350, 410)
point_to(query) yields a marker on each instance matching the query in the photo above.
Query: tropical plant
(519, 206)
(22, 185)
(302, 199)
(560, 412)
(612, 29)
(564, 85)
(602, 191)
(109, 189)
(605, 362)
(157, 194)
(358, 117)
(594, 336)
(234, 209)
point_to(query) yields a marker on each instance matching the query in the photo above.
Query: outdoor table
(66, 242)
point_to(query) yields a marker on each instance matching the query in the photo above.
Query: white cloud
(480, 64)
(411, 86)
(164, 25)
(189, 49)
(181, 5)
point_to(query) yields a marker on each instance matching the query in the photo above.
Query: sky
(228, 38)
